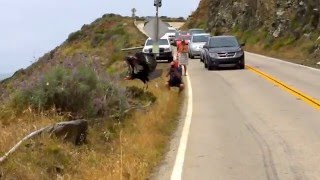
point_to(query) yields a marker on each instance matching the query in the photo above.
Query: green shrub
(75, 36)
(80, 92)
(97, 39)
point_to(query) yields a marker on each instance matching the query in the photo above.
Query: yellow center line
(309, 100)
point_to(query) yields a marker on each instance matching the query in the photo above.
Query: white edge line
(282, 61)
(178, 166)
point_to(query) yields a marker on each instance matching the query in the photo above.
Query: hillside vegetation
(280, 28)
(82, 79)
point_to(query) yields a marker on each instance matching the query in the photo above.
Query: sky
(28, 29)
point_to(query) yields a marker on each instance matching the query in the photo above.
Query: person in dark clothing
(138, 68)
(175, 79)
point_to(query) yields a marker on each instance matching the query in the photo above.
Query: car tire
(241, 66)
(191, 56)
(205, 64)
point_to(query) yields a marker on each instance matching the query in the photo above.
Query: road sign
(150, 29)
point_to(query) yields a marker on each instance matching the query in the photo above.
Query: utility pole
(157, 24)
(157, 4)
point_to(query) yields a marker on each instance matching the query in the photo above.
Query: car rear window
(200, 38)
(199, 31)
(223, 42)
(161, 42)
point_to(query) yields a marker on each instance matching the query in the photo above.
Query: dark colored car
(223, 51)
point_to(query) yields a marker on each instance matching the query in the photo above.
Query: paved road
(245, 127)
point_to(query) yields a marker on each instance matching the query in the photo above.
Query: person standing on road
(182, 55)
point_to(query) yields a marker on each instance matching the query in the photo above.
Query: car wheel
(241, 66)
(201, 59)
(191, 56)
(205, 64)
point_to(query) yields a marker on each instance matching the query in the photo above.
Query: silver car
(196, 44)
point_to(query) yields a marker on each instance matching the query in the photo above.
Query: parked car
(179, 39)
(223, 51)
(196, 43)
(164, 46)
(196, 31)
(171, 35)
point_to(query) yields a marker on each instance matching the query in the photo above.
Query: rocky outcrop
(266, 26)
(278, 17)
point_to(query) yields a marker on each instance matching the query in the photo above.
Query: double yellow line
(311, 101)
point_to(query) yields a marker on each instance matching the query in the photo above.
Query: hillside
(285, 29)
(97, 44)
(129, 127)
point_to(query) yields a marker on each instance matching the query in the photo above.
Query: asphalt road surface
(246, 126)
(254, 124)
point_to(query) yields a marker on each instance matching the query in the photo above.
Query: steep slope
(269, 27)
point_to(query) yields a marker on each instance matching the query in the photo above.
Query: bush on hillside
(75, 36)
(80, 92)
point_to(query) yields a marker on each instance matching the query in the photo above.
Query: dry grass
(126, 150)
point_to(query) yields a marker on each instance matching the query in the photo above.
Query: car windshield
(171, 31)
(198, 31)
(223, 42)
(200, 38)
(161, 42)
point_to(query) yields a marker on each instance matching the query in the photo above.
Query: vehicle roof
(160, 38)
(195, 29)
(201, 34)
(222, 36)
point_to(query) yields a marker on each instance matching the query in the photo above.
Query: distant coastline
(4, 76)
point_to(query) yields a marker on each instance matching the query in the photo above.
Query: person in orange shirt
(182, 55)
